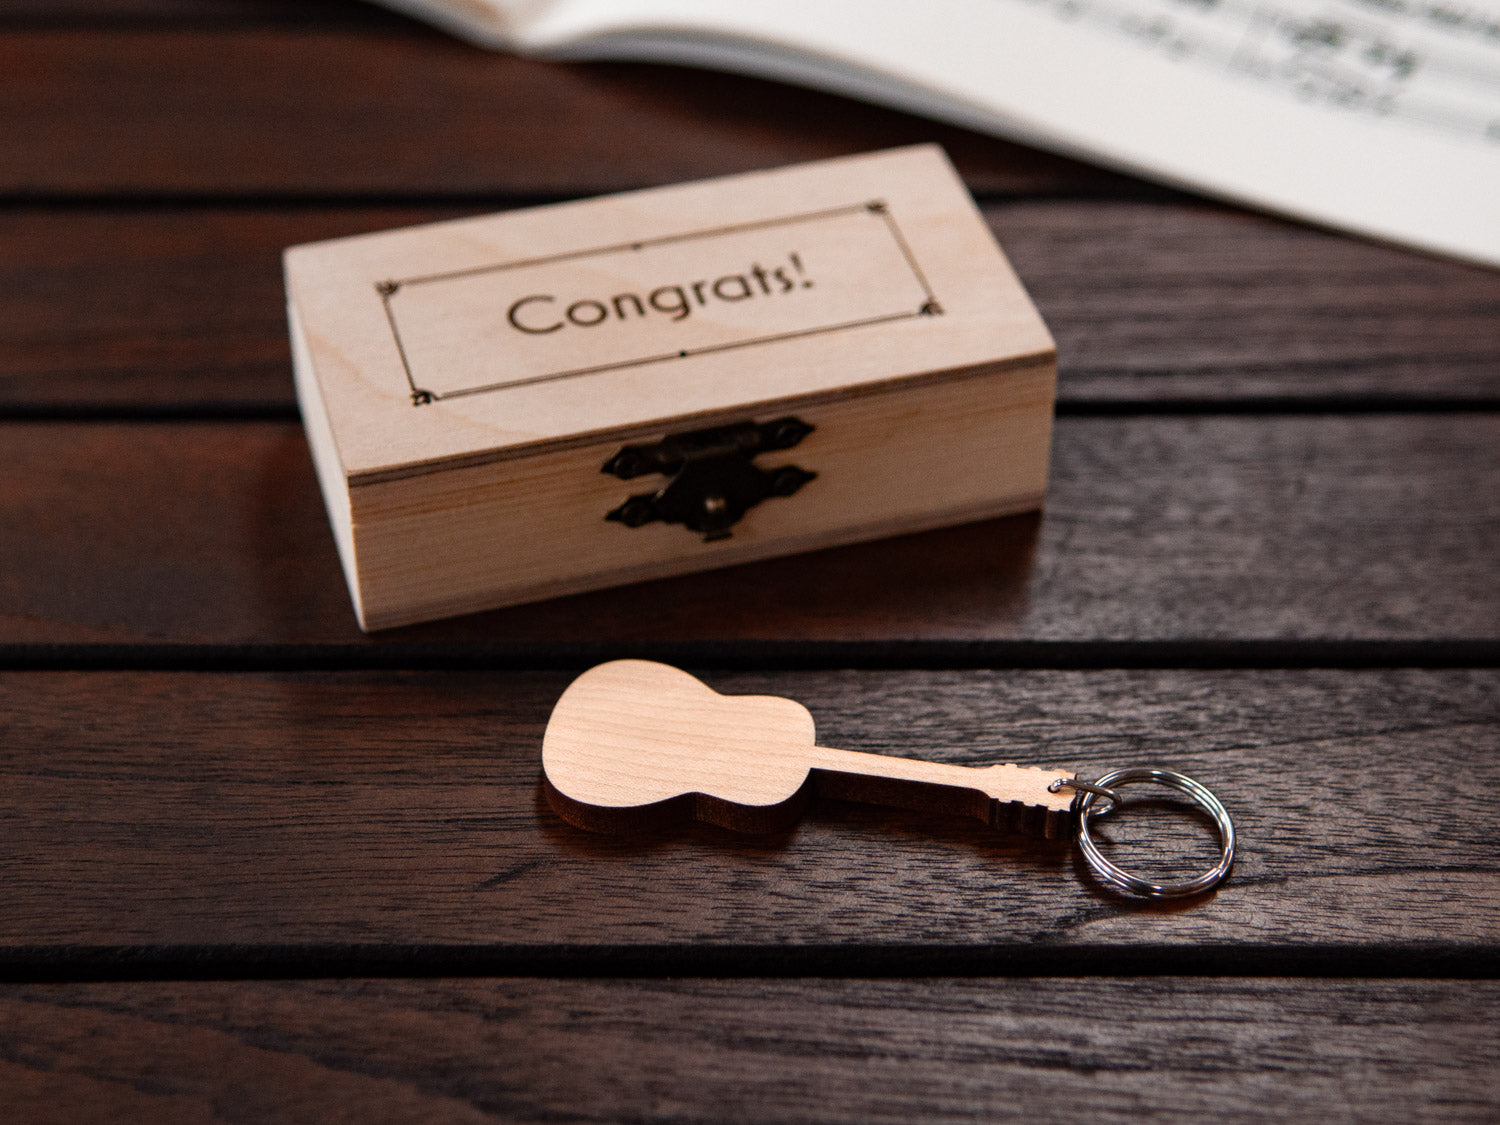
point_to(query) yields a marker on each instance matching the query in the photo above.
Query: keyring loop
(1120, 879)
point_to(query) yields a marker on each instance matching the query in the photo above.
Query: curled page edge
(996, 88)
(488, 23)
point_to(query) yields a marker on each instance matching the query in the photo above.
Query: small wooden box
(518, 406)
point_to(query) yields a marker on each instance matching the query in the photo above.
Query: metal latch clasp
(714, 481)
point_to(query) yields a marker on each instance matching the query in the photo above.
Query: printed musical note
(1425, 63)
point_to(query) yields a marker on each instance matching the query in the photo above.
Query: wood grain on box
(464, 383)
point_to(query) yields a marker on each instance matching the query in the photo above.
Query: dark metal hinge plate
(714, 481)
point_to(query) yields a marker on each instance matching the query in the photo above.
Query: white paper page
(1375, 116)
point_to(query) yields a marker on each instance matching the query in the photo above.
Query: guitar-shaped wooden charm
(634, 744)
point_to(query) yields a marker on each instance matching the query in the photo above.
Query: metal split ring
(1089, 787)
(1116, 876)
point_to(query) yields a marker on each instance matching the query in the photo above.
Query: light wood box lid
(422, 357)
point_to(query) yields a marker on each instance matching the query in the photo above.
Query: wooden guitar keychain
(634, 744)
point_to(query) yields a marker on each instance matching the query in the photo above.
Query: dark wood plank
(1370, 528)
(1154, 302)
(340, 821)
(772, 1051)
(322, 112)
(194, 13)
(172, 310)
(156, 309)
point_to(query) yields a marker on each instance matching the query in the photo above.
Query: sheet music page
(1375, 116)
(1422, 64)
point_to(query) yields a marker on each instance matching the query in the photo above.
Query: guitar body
(676, 750)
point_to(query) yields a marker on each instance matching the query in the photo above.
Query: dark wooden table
(258, 866)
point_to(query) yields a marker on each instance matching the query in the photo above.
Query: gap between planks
(210, 411)
(752, 654)
(77, 964)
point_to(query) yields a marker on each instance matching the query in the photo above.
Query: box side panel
(330, 470)
(944, 452)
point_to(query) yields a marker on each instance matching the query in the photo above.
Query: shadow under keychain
(633, 744)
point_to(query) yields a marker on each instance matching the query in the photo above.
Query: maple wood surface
(1268, 557)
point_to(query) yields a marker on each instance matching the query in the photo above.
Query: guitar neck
(1007, 797)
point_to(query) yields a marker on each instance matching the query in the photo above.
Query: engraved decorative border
(421, 396)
